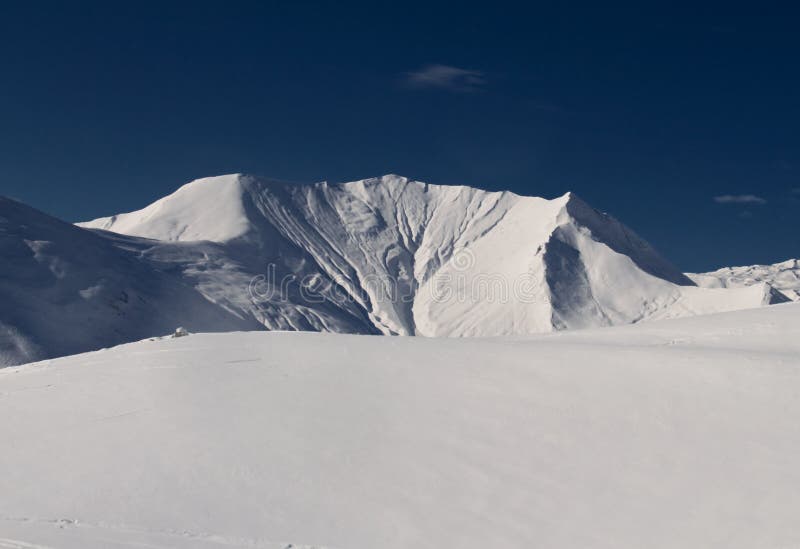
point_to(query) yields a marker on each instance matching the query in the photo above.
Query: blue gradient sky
(647, 114)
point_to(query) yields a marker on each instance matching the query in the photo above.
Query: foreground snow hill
(380, 256)
(679, 433)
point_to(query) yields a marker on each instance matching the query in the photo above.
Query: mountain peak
(210, 208)
(385, 241)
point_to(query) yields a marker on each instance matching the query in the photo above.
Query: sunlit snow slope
(674, 434)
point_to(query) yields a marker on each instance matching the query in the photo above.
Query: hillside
(680, 433)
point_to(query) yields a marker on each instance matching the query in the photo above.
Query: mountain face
(377, 256)
(783, 277)
(65, 290)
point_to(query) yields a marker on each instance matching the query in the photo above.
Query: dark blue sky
(647, 114)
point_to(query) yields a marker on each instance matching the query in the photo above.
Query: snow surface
(783, 276)
(680, 433)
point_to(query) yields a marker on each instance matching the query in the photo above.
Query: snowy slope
(784, 277)
(680, 433)
(412, 258)
(65, 290)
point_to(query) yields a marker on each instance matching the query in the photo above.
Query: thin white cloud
(446, 77)
(739, 199)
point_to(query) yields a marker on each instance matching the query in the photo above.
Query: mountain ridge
(384, 255)
(392, 228)
(417, 226)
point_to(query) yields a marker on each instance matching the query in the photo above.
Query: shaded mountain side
(65, 290)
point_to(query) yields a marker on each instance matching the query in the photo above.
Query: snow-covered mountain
(385, 255)
(418, 259)
(783, 276)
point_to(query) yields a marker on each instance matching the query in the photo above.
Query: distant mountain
(379, 256)
(784, 277)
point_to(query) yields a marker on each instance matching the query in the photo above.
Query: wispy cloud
(739, 199)
(796, 190)
(446, 77)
